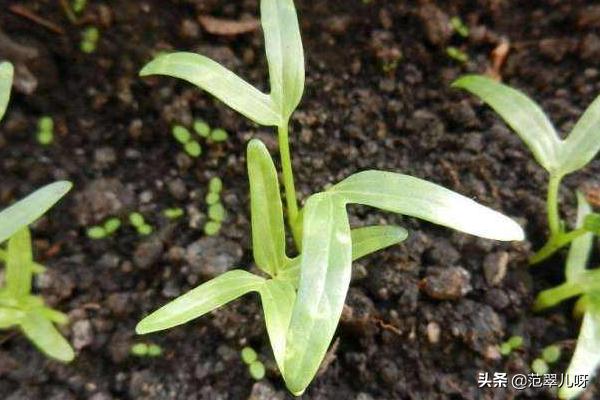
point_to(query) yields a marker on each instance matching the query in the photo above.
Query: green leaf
(523, 115)
(581, 247)
(285, 55)
(268, 232)
(418, 198)
(46, 337)
(370, 239)
(583, 143)
(36, 268)
(201, 300)
(6, 79)
(218, 81)
(586, 358)
(324, 279)
(27, 210)
(18, 263)
(10, 317)
(277, 300)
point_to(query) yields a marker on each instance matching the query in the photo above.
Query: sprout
(539, 366)
(551, 354)
(89, 39)
(219, 135)
(202, 128)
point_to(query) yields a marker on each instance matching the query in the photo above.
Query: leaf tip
(143, 327)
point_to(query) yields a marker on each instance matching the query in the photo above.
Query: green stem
(552, 205)
(288, 180)
(555, 243)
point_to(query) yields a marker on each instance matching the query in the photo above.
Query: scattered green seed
(457, 54)
(219, 135)
(257, 370)
(181, 134)
(539, 366)
(144, 230)
(154, 350)
(212, 198)
(215, 185)
(249, 355)
(136, 219)
(193, 148)
(459, 26)
(173, 213)
(111, 225)
(96, 232)
(515, 342)
(216, 212)
(201, 128)
(551, 354)
(139, 349)
(211, 228)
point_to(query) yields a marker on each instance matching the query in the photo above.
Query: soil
(422, 318)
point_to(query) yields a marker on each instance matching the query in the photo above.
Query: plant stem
(552, 205)
(288, 179)
(556, 242)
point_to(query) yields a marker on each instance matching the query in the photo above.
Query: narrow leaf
(6, 79)
(218, 81)
(18, 264)
(268, 232)
(10, 317)
(581, 247)
(277, 300)
(285, 55)
(201, 300)
(35, 267)
(586, 358)
(27, 210)
(521, 113)
(325, 276)
(370, 239)
(46, 337)
(418, 198)
(583, 143)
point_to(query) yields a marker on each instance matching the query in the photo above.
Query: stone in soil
(211, 256)
(447, 283)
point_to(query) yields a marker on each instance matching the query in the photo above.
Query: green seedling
(215, 185)
(457, 54)
(212, 198)
(539, 366)
(249, 355)
(183, 136)
(145, 350)
(137, 221)
(89, 39)
(216, 211)
(211, 228)
(551, 354)
(45, 133)
(459, 26)
(513, 343)
(559, 157)
(78, 6)
(303, 296)
(109, 227)
(201, 128)
(173, 213)
(255, 367)
(218, 135)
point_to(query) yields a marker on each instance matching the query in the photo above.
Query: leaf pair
(558, 157)
(19, 308)
(286, 70)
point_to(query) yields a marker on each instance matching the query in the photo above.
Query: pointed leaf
(324, 279)
(586, 358)
(27, 210)
(201, 300)
(583, 143)
(19, 260)
(46, 337)
(370, 239)
(268, 232)
(218, 81)
(6, 79)
(418, 198)
(581, 247)
(277, 300)
(521, 113)
(285, 55)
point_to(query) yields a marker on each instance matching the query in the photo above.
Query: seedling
(45, 133)
(255, 367)
(459, 26)
(201, 128)
(457, 54)
(303, 296)
(183, 136)
(109, 227)
(551, 354)
(510, 345)
(146, 350)
(173, 213)
(539, 366)
(139, 223)
(78, 6)
(216, 211)
(89, 39)
(218, 135)
(559, 157)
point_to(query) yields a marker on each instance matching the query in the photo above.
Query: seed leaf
(27, 210)
(268, 232)
(370, 239)
(285, 55)
(418, 198)
(218, 81)
(6, 79)
(581, 247)
(587, 353)
(583, 142)
(18, 264)
(324, 279)
(201, 300)
(523, 115)
(277, 300)
(46, 337)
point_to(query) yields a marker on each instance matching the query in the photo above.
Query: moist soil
(422, 318)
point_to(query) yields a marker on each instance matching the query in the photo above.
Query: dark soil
(423, 318)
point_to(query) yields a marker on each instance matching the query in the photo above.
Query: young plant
(303, 296)
(557, 156)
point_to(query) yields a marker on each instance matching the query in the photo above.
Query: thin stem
(555, 243)
(552, 205)
(288, 180)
